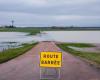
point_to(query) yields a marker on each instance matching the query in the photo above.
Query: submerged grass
(12, 53)
(92, 56)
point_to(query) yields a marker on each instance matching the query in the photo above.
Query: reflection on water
(88, 49)
(4, 46)
(13, 39)
(75, 36)
(42, 37)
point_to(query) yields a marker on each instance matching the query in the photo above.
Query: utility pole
(12, 23)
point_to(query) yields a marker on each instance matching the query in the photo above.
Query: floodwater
(74, 36)
(13, 39)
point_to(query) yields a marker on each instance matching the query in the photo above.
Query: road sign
(51, 59)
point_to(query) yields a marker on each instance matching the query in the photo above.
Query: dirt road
(26, 66)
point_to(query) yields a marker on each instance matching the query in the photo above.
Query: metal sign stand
(49, 73)
(50, 65)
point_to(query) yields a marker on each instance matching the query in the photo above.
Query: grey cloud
(76, 9)
(50, 12)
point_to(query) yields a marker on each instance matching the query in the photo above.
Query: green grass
(35, 30)
(81, 45)
(12, 53)
(92, 56)
(31, 31)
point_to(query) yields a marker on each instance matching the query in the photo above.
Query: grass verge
(12, 53)
(92, 56)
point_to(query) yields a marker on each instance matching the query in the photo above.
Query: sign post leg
(50, 73)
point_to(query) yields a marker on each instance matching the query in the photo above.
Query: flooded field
(13, 39)
(75, 36)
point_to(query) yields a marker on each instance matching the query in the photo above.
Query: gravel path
(26, 66)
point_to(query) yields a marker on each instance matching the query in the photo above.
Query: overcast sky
(50, 12)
